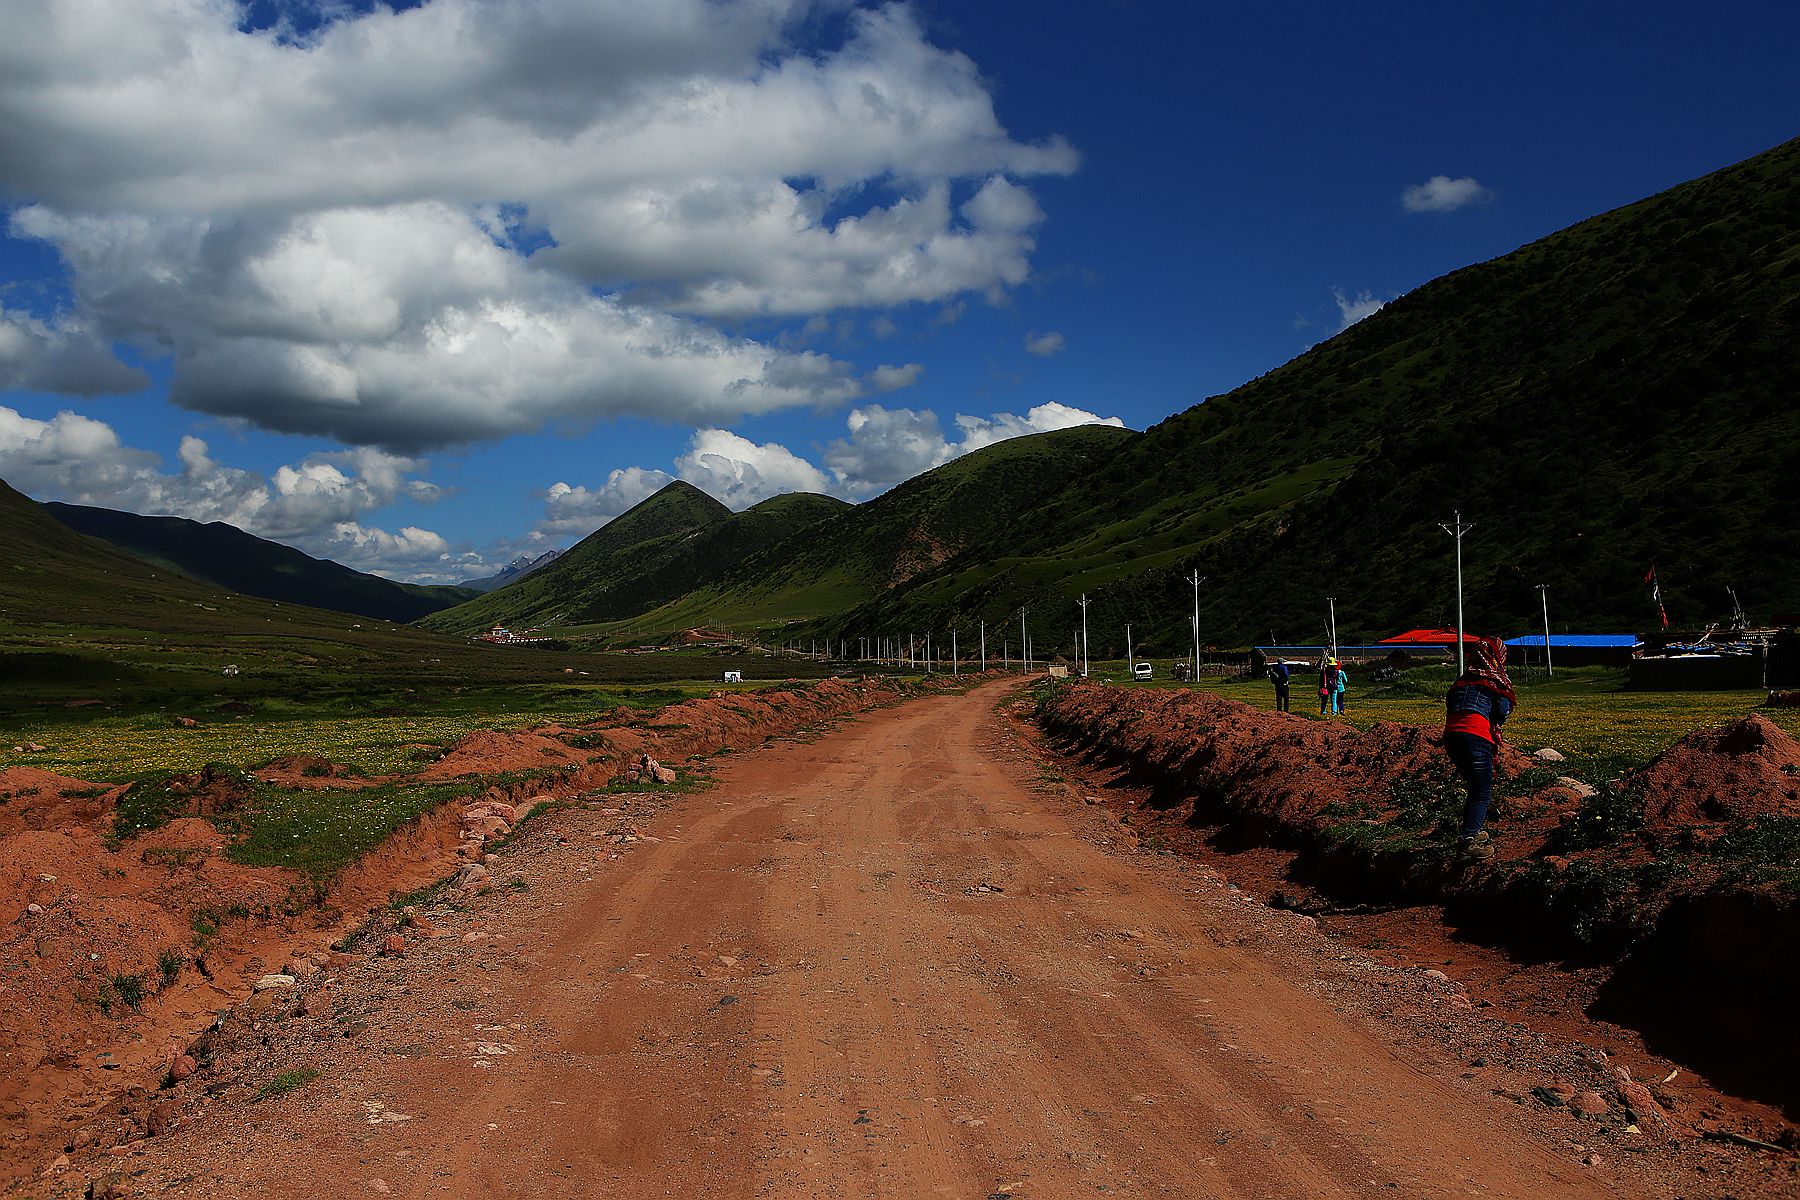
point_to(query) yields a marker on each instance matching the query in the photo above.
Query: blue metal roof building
(1576, 649)
(1587, 641)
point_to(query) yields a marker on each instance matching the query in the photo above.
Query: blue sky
(422, 290)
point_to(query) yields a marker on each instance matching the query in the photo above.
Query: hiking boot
(1477, 848)
(1483, 837)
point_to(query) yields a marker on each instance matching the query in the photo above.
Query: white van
(1141, 671)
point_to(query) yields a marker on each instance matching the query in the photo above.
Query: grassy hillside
(1618, 393)
(869, 550)
(80, 618)
(228, 557)
(667, 546)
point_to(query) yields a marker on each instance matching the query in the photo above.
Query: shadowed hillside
(228, 557)
(1618, 393)
(79, 617)
(670, 544)
(874, 548)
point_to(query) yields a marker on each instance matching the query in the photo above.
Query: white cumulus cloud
(467, 219)
(887, 446)
(576, 511)
(60, 356)
(739, 473)
(891, 379)
(985, 431)
(1441, 193)
(1044, 344)
(1352, 309)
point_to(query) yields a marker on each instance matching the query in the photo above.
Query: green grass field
(377, 731)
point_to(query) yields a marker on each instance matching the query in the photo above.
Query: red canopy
(1426, 637)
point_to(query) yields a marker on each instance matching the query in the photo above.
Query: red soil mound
(308, 771)
(34, 799)
(485, 752)
(1748, 768)
(1270, 768)
(210, 791)
(84, 937)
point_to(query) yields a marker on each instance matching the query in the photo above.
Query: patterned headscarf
(1486, 666)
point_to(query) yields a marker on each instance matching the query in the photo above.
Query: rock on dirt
(1588, 1104)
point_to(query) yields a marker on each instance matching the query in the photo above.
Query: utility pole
(1084, 642)
(984, 647)
(955, 666)
(1456, 528)
(1130, 658)
(1544, 593)
(1196, 578)
(1024, 640)
(1331, 601)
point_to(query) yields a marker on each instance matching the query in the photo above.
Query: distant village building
(502, 636)
(1575, 649)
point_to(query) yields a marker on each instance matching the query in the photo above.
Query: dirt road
(889, 962)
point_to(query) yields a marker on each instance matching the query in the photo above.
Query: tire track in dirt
(879, 964)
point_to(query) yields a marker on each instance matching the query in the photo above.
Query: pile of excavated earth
(114, 952)
(1369, 818)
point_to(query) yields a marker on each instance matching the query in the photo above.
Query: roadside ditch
(1659, 906)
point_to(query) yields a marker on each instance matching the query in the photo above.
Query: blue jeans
(1474, 759)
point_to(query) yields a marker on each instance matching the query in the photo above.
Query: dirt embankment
(1675, 871)
(113, 952)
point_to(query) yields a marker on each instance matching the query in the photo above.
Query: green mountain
(1618, 394)
(225, 555)
(667, 546)
(870, 550)
(80, 617)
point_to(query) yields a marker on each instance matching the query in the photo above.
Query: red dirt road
(804, 990)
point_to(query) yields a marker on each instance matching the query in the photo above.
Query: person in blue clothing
(1338, 688)
(1280, 675)
(1475, 708)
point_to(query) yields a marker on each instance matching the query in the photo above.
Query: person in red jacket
(1475, 708)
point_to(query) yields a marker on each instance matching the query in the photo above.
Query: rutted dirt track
(888, 962)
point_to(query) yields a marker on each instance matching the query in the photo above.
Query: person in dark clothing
(1280, 676)
(1475, 708)
(1328, 673)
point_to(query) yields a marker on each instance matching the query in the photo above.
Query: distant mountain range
(80, 617)
(1618, 394)
(228, 557)
(675, 542)
(517, 569)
